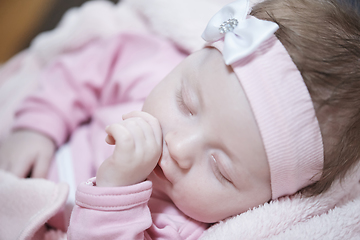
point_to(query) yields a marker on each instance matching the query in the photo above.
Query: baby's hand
(138, 146)
(26, 151)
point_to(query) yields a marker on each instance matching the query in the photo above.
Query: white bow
(242, 34)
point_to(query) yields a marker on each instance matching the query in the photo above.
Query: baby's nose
(183, 148)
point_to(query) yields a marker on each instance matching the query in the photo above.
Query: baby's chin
(200, 214)
(203, 217)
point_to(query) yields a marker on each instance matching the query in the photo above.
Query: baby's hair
(323, 39)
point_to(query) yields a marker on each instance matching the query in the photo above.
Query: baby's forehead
(207, 56)
(204, 64)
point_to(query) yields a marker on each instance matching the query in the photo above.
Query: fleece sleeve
(130, 212)
(111, 213)
(100, 74)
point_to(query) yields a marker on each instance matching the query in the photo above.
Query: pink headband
(276, 92)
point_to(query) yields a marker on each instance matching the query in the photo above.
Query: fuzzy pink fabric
(26, 204)
(334, 215)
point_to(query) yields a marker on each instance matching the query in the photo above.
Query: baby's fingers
(156, 131)
(119, 135)
(20, 170)
(109, 138)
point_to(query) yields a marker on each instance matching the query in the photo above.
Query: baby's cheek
(200, 204)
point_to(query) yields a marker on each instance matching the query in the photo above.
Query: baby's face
(213, 163)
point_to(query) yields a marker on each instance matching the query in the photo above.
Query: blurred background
(22, 20)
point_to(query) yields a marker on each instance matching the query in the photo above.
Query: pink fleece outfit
(128, 213)
(79, 94)
(96, 85)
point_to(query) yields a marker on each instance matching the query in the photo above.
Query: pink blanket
(333, 215)
(26, 204)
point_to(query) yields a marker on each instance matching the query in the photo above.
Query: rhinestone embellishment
(228, 25)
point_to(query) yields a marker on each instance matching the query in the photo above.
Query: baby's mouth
(159, 172)
(162, 163)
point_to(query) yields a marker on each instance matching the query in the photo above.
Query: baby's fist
(138, 146)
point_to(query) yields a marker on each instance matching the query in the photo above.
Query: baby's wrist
(113, 178)
(105, 183)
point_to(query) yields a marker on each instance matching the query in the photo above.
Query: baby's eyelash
(180, 101)
(217, 171)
